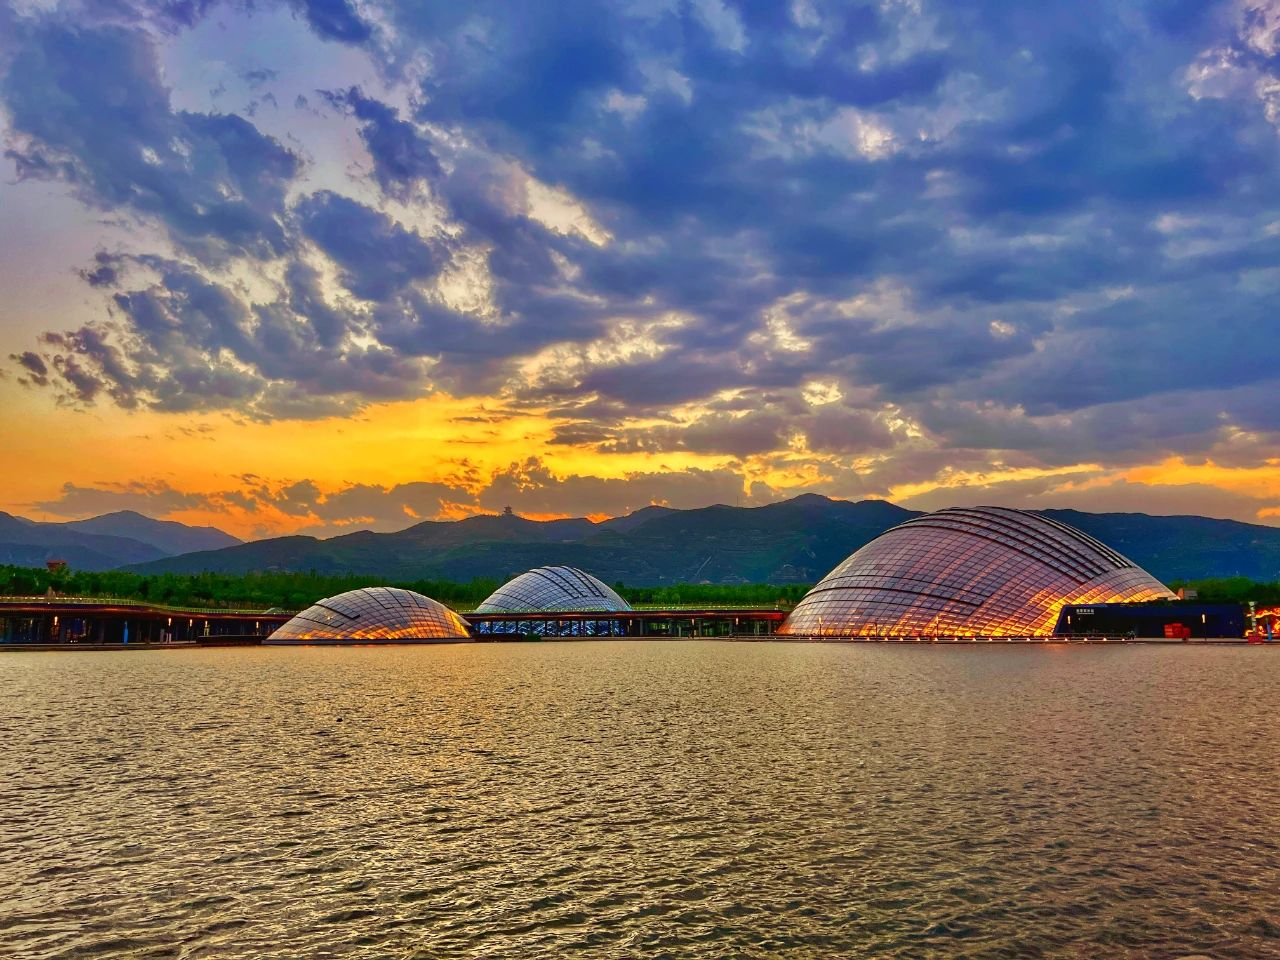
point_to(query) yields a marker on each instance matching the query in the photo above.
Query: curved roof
(553, 588)
(373, 614)
(968, 571)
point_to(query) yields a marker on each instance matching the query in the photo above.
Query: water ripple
(618, 799)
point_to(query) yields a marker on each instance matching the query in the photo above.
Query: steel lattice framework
(550, 589)
(372, 614)
(980, 571)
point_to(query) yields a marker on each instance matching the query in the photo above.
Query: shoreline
(743, 638)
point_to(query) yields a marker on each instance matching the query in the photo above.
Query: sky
(311, 266)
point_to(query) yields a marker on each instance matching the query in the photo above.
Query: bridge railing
(641, 608)
(62, 601)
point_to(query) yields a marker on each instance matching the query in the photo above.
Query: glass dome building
(373, 615)
(553, 588)
(981, 571)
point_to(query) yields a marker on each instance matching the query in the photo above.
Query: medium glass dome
(553, 588)
(373, 614)
(981, 571)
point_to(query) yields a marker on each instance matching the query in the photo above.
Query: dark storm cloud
(474, 356)
(105, 271)
(260, 76)
(748, 425)
(655, 383)
(1025, 227)
(334, 20)
(1122, 433)
(402, 156)
(560, 55)
(88, 107)
(1085, 491)
(531, 487)
(1130, 349)
(736, 436)
(89, 364)
(37, 371)
(329, 324)
(841, 430)
(376, 255)
(185, 343)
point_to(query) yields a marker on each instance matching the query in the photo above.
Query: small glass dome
(373, 614)
(553, 588)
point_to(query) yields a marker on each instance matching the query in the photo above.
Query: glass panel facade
(375, 613)
(982, 571)
(552, 588)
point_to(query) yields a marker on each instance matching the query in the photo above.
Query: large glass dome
(373, 614)
(553, 588)
(981, 571)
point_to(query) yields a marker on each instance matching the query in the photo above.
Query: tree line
(293, 591)
(1231, 590)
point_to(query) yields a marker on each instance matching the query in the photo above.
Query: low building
(1167, 620)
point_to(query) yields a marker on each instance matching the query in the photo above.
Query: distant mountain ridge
(167, 535)
(102, 543)
(793, 541)
(1184, 547)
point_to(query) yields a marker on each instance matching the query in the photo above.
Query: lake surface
(625, 799)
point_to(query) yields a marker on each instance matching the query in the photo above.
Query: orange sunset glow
(293, 291)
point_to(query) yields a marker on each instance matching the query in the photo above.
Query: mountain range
(793, 541)
(103, 543)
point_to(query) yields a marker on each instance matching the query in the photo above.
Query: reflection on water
(619, 799)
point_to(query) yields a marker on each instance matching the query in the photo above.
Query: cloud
(257, 506)
(722, 22)
(88, 107)
(334, 20)
(35, 366)
(105, 271)
(185, 343)
(1098, 493)
(744, 424)
(267, 507)
(531, 487)
(1003, 236)
(714, 434)
(260, 506)
(153, 498)
(402, 156)
(376, 256)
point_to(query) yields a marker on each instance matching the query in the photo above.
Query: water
(620, 799)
